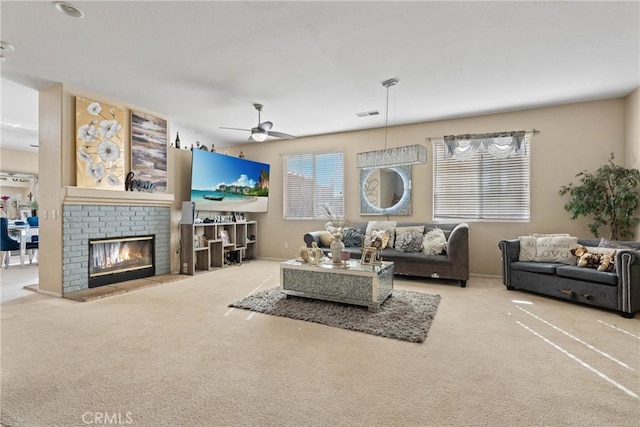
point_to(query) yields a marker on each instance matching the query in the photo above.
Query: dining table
(23, 233)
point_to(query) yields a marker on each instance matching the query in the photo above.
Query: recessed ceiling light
(68, 9)
(4, 49)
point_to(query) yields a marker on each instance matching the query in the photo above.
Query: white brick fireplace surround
(86, 221)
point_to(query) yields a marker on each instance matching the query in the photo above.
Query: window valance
(499, 144)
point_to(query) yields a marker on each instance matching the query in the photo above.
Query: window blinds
(313, 182)
(483, 187)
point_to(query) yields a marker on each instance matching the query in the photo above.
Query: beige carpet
(176, 355)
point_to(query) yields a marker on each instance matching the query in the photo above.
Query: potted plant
(34, 208)
(610, 195)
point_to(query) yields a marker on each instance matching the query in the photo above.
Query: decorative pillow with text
(556, 249)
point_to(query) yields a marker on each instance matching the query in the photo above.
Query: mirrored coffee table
(350, 282)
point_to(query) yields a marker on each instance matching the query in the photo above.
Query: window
(483, 187)
(313, 182)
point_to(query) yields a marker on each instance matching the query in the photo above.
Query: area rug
(405, 315)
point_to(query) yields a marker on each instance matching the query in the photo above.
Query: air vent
(368, 113)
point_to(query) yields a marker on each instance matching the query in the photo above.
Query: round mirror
(385, 191)
(384, 188)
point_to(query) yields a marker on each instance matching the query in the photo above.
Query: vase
(336, 250)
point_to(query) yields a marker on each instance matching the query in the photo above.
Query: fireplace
(114, 260)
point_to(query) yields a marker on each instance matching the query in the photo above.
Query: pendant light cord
(387, 84)
(386, 120)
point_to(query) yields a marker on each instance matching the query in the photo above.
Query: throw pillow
(381, 225)
(379, 239)
(352, 237)
(418, 228)
(611, 244)
(527, 248)
(409, 241)
(434, 242)
(326, 238)
(556, 249)
(601, 250)
(447, 233)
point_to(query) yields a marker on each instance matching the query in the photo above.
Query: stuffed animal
(602, 261)
(607, 262)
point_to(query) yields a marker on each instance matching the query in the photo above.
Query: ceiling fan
(263, 129)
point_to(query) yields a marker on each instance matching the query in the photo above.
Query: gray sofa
(618, 290)
(453, 264)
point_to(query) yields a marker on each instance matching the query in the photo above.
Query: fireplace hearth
(115, 260)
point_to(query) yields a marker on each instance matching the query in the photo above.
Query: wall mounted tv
(222, 183)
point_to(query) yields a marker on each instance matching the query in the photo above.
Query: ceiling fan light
(259, 136)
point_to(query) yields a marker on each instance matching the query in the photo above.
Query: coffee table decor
(405, 315)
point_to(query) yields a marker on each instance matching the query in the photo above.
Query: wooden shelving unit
(205, 246)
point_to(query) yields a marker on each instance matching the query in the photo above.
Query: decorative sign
(131, 184)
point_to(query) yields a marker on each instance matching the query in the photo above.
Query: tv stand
(205, 246)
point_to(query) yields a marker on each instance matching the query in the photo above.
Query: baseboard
(50, 293)
(486, 276)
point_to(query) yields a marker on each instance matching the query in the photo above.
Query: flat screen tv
(222, 183)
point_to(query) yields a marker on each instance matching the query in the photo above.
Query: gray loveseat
(617, 290)
(453, 264)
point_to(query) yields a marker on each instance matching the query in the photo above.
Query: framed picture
(24, 214)
(368, 256)
(149, 149)
(224, 236)
(100, 157)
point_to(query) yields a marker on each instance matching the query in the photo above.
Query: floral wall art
(149, 149)
(100, 158)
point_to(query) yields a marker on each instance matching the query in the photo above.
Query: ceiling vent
(368, 113)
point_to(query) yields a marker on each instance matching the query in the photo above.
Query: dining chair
(32, 244)
(33, 223)
(7, 243)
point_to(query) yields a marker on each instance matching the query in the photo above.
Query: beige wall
(572, 138)
(18, 161)
(632, 135)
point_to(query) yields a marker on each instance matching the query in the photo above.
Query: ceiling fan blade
(281, 135)
(265, 126)
(222, 127)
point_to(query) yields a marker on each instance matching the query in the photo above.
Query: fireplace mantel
(91, 196)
